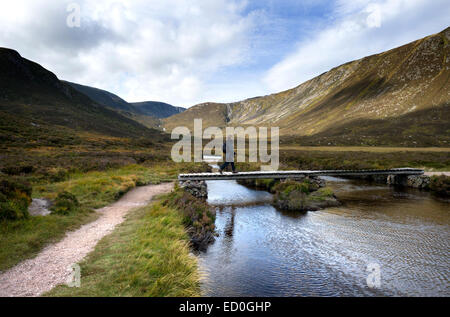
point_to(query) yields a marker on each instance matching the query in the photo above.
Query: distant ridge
(147, 108)
(103, 97)
(157, 109)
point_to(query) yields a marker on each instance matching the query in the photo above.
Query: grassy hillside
(147, 113)
(32, 98)
(398, 97)
(102, 97)
(155, 109)
(213, 115)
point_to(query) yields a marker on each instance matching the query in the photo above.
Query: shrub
(285, 188)
(57, 174)
(197, 215)
(65, 203)
(440, 185)
(15, 197)
(303, 196)
(18, 170)
(193, 209)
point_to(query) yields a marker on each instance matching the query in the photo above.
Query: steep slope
(103, 97)
(213, 115)
(157, 109)
(401, 96)
(32, 96)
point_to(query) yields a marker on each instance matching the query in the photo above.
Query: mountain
(212, 114)
(147, 108)
(33, 98)
(398, 97)
(157, 109)
(102, 97)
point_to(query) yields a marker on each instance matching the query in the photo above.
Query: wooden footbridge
(296, 174)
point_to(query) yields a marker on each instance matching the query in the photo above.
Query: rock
(198, 189)
(415, 181)
(317, 181)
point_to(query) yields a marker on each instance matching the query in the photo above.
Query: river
(402, 235)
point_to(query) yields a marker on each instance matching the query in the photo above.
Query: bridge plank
(296, 174)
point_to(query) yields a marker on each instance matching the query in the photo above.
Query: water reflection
(261, 251)
(227, 193)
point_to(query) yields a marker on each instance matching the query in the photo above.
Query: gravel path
(51, 266)
(437, 173)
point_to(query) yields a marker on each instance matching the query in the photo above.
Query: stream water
(262, 251)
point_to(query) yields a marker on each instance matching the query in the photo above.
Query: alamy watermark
(258, 139)
(374, 278)
(74, 18)
(74, 279)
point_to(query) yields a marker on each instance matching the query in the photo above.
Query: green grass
(99, 188)
(363, 148)
(147, 255)
(322, 194)
(22, 239)
(331, 159)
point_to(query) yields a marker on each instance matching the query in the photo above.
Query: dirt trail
(437, 173)
(51, 266)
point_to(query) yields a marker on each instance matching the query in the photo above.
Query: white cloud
(374, 18)
(361, 28)
(160, 50)
(186, 52)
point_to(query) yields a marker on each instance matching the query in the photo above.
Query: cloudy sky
(187, 52)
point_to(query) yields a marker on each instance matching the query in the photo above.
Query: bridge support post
(415, 181)
(198, 189)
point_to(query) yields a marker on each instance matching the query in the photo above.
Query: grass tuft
(147, 255)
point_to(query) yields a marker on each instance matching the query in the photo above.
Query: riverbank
(437, 183)
(147, 255)
(198, 217)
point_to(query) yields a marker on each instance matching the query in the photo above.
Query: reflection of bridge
(297, 174)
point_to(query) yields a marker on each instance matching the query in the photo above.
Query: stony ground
(51, 266)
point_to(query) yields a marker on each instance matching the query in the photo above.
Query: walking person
(228, 150)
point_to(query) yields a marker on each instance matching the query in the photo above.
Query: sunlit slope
(400, 96)
(213, 115)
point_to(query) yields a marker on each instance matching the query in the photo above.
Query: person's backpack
(224, 147)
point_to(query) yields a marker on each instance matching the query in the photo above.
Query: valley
(82, 149)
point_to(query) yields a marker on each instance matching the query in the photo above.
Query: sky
(189, 52)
